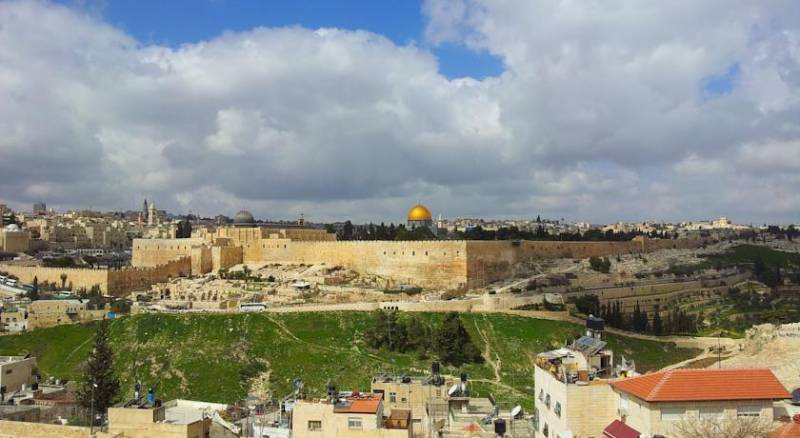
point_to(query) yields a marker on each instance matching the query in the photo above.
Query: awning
(618, 429)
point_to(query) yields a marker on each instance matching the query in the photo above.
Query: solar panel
(588, 345)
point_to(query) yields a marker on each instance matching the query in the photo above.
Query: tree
(693, 426)
(63, 277)
(184, 229)
(100, 386)
(347, 231)
(453, 343)
(658, 325)
(34, 292)
(90, 260)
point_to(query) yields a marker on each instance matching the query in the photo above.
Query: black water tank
(499, 427)
(435, 368)
(595, 323)
(463, 377)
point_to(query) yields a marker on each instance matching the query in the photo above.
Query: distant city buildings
(40, 208)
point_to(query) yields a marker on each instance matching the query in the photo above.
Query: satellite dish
(516, 412)
(454, 390)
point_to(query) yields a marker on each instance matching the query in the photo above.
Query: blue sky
(176, 22)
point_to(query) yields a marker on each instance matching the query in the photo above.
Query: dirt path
(90, 339)
(487, 352)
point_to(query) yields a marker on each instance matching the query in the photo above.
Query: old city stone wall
(489, 261)
(223, 257)
(446, 264)
(201, 260)
(111, 281)
(152, 252)
(121, 281)
(425, 263)
(79, 278)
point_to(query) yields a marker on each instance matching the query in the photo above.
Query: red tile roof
(360, 404)
(705, 385)
(618, 429)
(789, 430)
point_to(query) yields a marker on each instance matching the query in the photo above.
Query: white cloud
(600, 114)
(693, 165)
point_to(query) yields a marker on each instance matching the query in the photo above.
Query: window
(547, 401)
(541, 395)
(314, 426)
(748, 411)
(672, 414)
(557, 409)
(545, 430)
(403, 400)
(392, 397)
(354, 423)
(9, 371)
(712, 413)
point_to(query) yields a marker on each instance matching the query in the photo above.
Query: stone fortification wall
(448, 264)
(153, 252)
(301, 234)
(79, 278)
(111, 281)
(438, 264)
(223, 257)
(121, 281)
(489, 261)
(201, 260)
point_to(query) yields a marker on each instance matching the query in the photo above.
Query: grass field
(215, 357)
(750, 253)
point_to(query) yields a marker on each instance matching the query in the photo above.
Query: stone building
(13, 239)
(581, 392)
(353, 416)
(16, 372)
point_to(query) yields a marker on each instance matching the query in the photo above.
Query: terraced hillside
(222, 358)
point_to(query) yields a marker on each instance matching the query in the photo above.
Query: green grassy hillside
(222, 357)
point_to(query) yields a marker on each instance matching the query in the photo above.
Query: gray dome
(243, 217)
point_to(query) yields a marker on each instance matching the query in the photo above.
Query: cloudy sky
(588, 110)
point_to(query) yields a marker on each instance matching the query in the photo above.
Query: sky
(596, 111)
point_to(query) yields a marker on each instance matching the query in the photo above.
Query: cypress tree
(34, 293)
(99, 374)
(658, 326)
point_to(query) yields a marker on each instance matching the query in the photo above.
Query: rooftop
(705, 385)
(358, 403)
(789, 430)
(618, 429)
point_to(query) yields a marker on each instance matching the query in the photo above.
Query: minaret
(144, 209)
(152, 218)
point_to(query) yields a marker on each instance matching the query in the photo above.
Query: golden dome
(419, 213)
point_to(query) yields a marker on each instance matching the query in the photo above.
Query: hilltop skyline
(622, 113)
